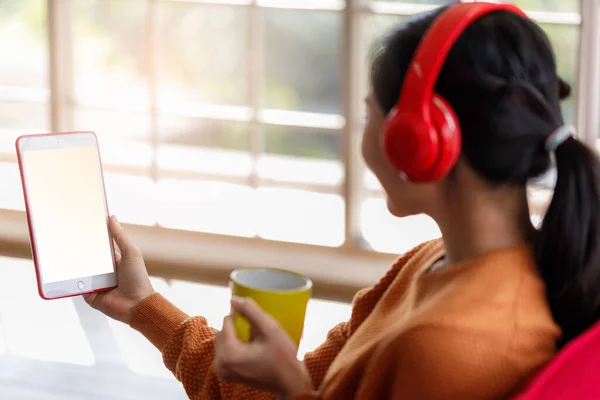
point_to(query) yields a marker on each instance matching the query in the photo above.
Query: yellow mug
(282, 294)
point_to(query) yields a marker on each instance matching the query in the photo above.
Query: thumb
(261, 322)
(122, 239)
(228, 331)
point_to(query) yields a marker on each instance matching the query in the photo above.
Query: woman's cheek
(371, 148)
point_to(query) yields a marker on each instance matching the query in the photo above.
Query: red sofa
(573, 375)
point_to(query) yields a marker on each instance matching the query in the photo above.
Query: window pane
(207, 206)
(18, 118)
(300, 216)
(320, 317)
(301, 142)
(533, 5)
(307, 155)
(123, 136)
(370, 181)
(131, 198)
(210, 301)
(211, 161)
(111, 61)
(539, 199)
(204, 133)
(201, 145)
(11, 191)
(202, 53)
(549, 5)
(300, 170)
(387, 233)
(302, 60)
(23, 44)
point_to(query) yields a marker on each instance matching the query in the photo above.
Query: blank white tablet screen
(68, 212)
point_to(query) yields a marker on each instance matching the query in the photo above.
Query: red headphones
(422, 137)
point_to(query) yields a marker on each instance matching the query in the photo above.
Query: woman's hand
(268, 362)
(133, 281)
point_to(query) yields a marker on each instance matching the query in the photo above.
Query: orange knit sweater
(475, 330)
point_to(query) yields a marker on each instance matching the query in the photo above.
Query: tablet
(67, 213)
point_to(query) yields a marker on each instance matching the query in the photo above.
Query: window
(225, 126)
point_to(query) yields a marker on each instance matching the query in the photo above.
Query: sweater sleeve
(187, 345)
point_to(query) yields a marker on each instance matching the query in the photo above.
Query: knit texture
(476, 330)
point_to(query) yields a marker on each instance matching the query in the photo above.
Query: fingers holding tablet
(126, 247)
(133, 280)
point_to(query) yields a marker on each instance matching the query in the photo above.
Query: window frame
(337, 271)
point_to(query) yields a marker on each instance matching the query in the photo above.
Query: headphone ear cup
(450, 138)
(411, 144)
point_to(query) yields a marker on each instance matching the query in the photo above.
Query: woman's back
(475, 330)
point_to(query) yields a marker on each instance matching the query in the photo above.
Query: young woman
(470, 316)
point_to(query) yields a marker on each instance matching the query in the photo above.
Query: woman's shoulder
(421, 256)
(507, 277)
(498, 301)
(499, 286)
(408, 264)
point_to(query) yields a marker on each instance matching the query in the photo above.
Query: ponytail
(567, 246)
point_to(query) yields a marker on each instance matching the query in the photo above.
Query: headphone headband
(434, 48)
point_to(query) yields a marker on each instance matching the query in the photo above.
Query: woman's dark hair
(501, 80)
